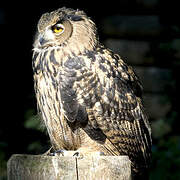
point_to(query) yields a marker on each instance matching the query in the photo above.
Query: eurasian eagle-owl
(89, 99)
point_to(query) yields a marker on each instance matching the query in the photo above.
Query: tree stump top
(40, 167)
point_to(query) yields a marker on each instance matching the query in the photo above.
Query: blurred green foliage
(165, 131)
(33, 120)
(166, 159)
(2, 161)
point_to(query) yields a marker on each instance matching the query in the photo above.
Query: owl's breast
(70, 77)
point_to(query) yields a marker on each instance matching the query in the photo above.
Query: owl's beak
(42, 41)
(46, 38)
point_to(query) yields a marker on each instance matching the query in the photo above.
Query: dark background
(19, 125)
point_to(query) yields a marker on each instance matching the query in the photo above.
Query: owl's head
(66, 27)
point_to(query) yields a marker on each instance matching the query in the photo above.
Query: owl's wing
(118, 110)
(104, 94)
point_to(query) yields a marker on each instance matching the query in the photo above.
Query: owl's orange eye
(58, 29)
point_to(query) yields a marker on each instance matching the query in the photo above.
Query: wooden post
(40, 167)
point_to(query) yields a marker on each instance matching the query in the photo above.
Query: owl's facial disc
(55, 35)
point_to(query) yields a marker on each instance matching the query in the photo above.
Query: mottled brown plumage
(89, 99)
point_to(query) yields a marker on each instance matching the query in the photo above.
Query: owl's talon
(76, 154)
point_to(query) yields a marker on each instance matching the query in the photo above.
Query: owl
(88, 97)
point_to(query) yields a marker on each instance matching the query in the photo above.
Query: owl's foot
(63, 152)
(79, 153)
(86, 151)
(60, 152)
(82, 154)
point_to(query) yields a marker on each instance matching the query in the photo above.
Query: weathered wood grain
(40, 167)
